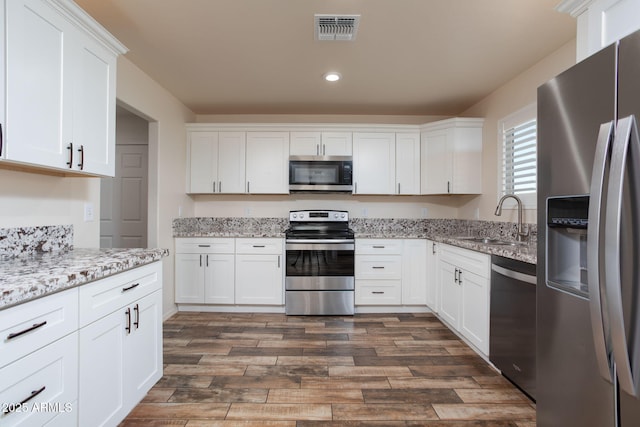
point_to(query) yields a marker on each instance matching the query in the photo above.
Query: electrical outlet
(476, 214)
(365, 212)
(247, 211)
(179, 211)
(425, 212)
(88, 212)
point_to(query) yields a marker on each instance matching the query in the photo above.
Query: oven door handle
(315, 246)
(331, 241)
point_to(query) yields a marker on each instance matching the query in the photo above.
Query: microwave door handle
(595, 252)
(626, 144)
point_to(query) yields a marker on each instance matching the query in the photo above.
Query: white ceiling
(410, 57)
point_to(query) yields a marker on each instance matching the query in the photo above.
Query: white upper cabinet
(408, 163)
(451, 157)
(60, 88)
(268, 162)
(321, 144)
(601, 22)
(374, 163)
(216, 162)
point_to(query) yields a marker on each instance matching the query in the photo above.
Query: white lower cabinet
(259, 271)
(205, 270)
(120, 352)
(464, 279)
(432, 288)
(414, 272)
(42, 387)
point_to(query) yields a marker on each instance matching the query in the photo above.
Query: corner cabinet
(464, 285)
(451, 156)
(60, 88)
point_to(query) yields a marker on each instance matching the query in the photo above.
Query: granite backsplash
(32, 240)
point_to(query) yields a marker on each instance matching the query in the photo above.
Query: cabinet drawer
(199, 245)
(107, 295)
(378, 292)
(379, 246)
(378, 266)
(32, 325)
(259, 246)
(52, 372)
(467, 259)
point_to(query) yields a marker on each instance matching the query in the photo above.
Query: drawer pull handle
(377, 268)
(377, 292)
(258, 246)
(378, 246)
(128, 327)
(34, 393)
(136, 308)
(204, 246)
(33, 328)
(128, 288)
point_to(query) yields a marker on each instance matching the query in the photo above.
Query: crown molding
(573, 7)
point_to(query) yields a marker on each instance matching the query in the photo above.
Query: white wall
(31, 199)
(509, 98)
(167, 159)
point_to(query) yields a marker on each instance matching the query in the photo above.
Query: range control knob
(295, 215)
(335, 215)
(342, 216)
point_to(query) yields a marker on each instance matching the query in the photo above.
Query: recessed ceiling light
(332, 76)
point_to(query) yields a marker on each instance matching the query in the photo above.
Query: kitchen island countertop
(25, 278)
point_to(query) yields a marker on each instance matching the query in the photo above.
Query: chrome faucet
(522, 234)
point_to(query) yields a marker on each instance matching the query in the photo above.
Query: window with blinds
(519, 151)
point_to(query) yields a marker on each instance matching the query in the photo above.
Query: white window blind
(519, 152)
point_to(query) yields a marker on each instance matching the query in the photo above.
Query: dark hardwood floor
(230, 369)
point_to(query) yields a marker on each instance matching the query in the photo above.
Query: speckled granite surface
(229, 227)
(27, 277)
(31, 240)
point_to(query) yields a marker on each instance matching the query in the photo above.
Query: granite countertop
(527, 253)
(24, 278)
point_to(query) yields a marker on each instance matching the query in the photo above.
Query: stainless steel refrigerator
(588, 291)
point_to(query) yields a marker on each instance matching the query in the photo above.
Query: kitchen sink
(490, 241)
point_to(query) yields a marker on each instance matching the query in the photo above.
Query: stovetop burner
(318, 224)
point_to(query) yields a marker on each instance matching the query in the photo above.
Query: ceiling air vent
(336, 27)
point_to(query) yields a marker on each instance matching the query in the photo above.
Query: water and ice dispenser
(566, 251)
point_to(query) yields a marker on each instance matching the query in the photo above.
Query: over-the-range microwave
(328, 174)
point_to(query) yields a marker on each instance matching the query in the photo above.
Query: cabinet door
(101, 368)
(190, 278)
(414, 272)
(374, 163)
(203, 162)
(219, 279)
(474, 301)
(407, 163)
(94, 107)
(432, 297)
(38, 84)
(305, 144)
(466, 155)
(143, 348)
(436, 162)
(449, 293)
(259, 279)
(337, 144)
(231, 162)
(267, 162)
(52, 372)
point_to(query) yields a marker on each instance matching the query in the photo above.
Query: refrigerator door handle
(626, 144)
(595, 252)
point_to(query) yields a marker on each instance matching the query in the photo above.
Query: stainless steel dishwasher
(512, 347)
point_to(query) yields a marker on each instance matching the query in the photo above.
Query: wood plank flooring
(230, 369)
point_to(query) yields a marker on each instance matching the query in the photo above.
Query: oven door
(320, 266)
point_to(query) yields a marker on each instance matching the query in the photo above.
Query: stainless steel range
(320, 254)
